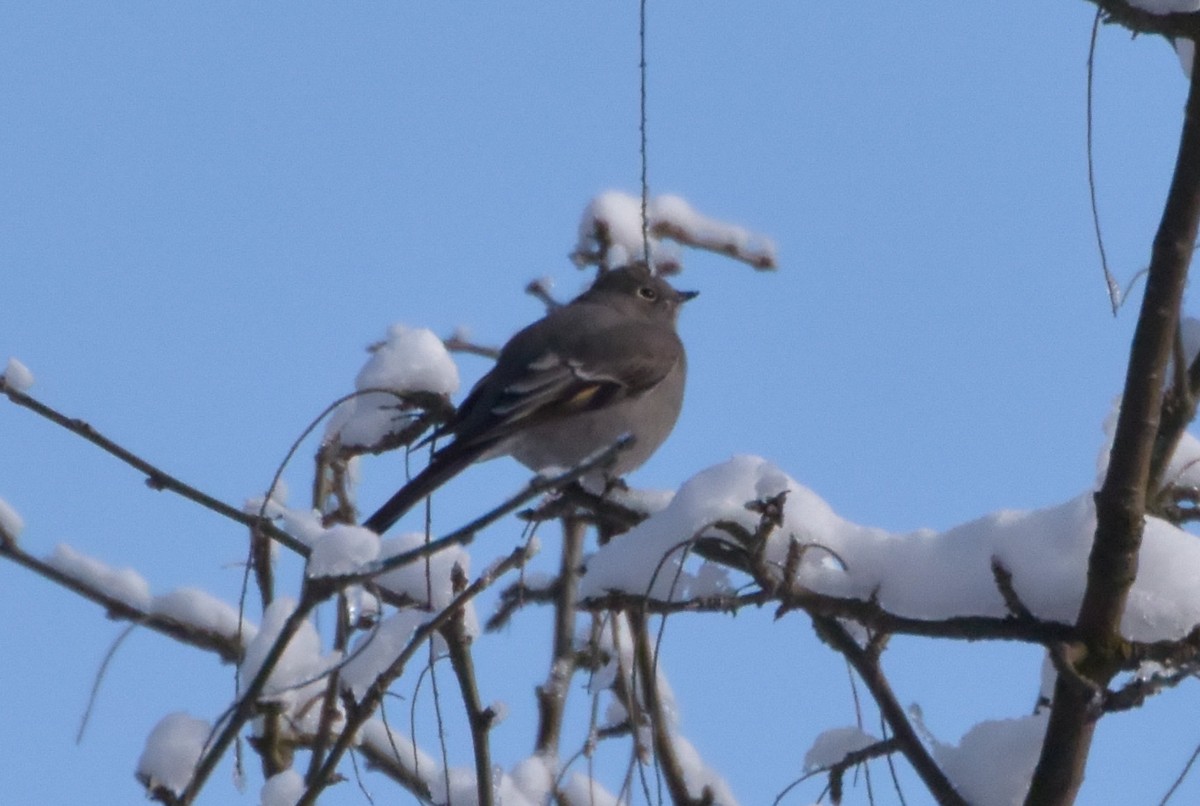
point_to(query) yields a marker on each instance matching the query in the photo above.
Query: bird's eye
(647, 293)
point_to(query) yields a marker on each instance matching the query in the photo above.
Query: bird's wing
(573, 375)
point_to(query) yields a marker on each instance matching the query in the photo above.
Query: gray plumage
(608, 363)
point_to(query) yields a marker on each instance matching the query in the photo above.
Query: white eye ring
(647, 293)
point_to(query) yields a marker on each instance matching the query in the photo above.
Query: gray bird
(607, 364)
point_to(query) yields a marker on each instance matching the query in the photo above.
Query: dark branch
(1121, 501)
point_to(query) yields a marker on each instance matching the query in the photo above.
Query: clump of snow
(399, 748)
(427, 580)
(923, 574)
(342, 550)
(699, 776)
(647, 501)
(300, 661)
(534, 778)
(579, 788)
(833, 745)
(202, 611)
(611, 231)
(972, 765)
(297, 679)
(617, 218)
(17, 376)
(428, 583)
(409, 360)
(124, 584)
(172, 751)
(283, 789)
(11, 523)
(303, 524)
(377, 649)
(647, 559)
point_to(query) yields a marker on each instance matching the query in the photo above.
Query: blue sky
(208, 210)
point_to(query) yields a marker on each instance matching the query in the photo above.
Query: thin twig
(100, 674)
(1114, 290)
(156, 478)
(867, 666)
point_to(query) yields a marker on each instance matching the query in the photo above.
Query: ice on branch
(202, 611)
(17, 376)
(11, 523)
(342, 550)
(923, 574)
(971, 765)
(283, 789)
(610, 234)
(122, 584)
(409, 360)
(833, 745)
(172, 750)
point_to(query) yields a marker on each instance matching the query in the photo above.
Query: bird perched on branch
(607, 364)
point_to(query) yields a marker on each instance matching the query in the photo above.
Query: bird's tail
(444, 466)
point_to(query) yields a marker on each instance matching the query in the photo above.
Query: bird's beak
(684, 296)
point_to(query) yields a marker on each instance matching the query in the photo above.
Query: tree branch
(156, 479)
(866, 663)
(1121, 501)
(552, 694)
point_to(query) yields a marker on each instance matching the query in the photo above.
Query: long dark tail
(445, 465)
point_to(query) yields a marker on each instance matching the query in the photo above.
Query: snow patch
(342, 550)
(283, 789)
(923, 574)
(172, 750)
(833, 745)
(17, 376)
(408, 360)
(972, 765)
(11, 522)
(124, 584)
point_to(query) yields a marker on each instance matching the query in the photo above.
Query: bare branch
(867, 666)
(156, 479)
(552, 694)
(479, 718)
